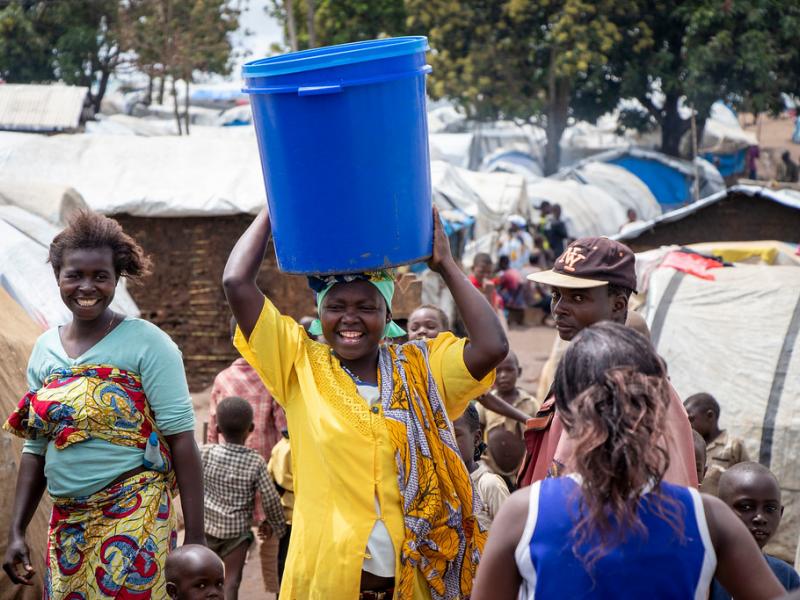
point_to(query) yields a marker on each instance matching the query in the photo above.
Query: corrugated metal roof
(40, 107)
(786, 197)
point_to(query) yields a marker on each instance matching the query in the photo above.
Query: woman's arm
(496, 404)
(188, 471)
(30, 487)
(239, 277)
(741, 568)
(488, 344)
(498, 575)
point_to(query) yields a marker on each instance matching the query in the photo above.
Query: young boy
(754, 494)
(232, 474)
(491, 487)
(722, 450)
(592, 282)
(194, 572)
(504, 434)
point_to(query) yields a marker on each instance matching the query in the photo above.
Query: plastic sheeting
(215, 173)
(737, 338)
(28, 278)
(587, 209)
(617, 182)
(487, 197)
(54, 203)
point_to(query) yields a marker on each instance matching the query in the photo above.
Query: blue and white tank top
(660, 566)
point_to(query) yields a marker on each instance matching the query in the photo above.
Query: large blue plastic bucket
(343, 137)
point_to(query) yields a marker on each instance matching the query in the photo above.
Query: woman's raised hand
(441, 245)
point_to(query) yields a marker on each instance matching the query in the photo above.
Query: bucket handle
(334, 88)
(316, 90)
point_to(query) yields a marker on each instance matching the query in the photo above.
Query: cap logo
(572, 257)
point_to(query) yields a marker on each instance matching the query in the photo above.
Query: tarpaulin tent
(736, 336)
(671, 180)
(617, 182)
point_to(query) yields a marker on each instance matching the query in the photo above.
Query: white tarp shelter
(619, 183)
(736, 337)
(31, 107)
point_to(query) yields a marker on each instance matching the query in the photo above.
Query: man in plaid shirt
(232, 474)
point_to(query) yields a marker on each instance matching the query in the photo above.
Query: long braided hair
(612, 396)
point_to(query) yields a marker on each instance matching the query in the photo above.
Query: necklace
(110, 323)
(353, 376)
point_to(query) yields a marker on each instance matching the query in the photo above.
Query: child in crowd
(481, 278)
(232, 474)
(700, 456)
(194, 572)
(504, 434)
(614, 528)
(280, 469)
(722, 450)
(492, 489)
(754, 494)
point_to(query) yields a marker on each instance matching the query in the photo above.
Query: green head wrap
(383, 280)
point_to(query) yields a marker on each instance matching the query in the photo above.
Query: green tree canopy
(537, 61)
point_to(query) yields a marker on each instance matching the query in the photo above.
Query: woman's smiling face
(87, 281)
(354, 316)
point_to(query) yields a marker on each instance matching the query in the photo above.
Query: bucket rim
(334, 56)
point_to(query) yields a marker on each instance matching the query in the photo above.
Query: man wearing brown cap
(592, 282)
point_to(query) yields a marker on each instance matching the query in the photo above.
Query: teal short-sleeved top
(134, 345)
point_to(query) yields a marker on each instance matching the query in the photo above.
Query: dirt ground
(532, 345)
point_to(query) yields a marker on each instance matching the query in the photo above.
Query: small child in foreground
(753, 492)
(491, 487)
(232, 474)
(192, 572)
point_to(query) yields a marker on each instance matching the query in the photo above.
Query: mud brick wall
(737, 218)
(184, 295)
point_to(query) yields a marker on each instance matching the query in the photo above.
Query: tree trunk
(101, 89)
(288, 5)
(186, 106)
(148, 99)
(672, 127)
(558, 91)
(162, 82)
(175, 110)
(312, 37)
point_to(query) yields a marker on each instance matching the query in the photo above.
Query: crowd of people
(383, 463)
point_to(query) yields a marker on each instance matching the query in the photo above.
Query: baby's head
(235, 419)
(699, 456)
(754, 494)
(426, 322)
(194, 572)
(468, 434)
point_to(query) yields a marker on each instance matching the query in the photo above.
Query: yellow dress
(342, 454)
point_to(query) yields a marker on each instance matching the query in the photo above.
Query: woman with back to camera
(109, 430)
(614, 528)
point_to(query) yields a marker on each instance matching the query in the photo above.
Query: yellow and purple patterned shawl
(442, 538)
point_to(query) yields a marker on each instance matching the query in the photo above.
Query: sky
(265, 31)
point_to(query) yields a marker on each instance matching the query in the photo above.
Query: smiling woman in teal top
(105, 391)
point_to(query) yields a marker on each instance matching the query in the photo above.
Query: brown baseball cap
(591, 262)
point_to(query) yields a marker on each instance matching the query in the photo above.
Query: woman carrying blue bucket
(384, 505)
